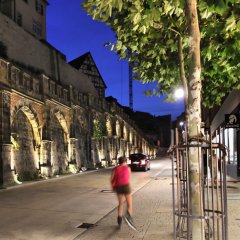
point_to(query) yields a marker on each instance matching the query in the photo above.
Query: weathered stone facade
(53, 119)
(53, 132)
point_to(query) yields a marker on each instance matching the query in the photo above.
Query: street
(55, 208)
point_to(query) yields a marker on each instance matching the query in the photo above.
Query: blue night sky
(73, 32)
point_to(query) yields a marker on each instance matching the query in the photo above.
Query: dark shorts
(125, 189)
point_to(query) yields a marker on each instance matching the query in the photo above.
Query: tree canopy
(172, 42)
(153, 34)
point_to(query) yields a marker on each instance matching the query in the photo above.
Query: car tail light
(142, 162)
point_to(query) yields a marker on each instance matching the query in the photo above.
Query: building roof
(82, 60)
(46, 2)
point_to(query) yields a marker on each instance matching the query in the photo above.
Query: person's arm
(130, 172)
(112, 175)
(112, 179)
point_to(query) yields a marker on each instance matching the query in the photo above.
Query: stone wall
(49, 108)
(25, 50)
(48, 129)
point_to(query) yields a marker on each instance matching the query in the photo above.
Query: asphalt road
(53, 209)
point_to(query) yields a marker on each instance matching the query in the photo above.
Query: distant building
(230, 137)
(85, 64)
(214, 124)
(157, 129)
(29, 14)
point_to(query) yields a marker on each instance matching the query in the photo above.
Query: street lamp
(179, 93)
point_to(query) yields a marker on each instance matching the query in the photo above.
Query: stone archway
(83, 144)
(109, 126)
(125, 132)
(60, 141)
(118, 128)
(25, 138)
(63, 123)
(32, 118)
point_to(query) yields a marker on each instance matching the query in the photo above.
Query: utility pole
(130, 75)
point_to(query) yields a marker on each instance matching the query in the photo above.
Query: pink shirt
(121, 175)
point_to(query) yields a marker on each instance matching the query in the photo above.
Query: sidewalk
(153, 214)
(233, 203)
(152, 206)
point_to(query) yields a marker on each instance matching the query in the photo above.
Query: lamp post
(179, 93)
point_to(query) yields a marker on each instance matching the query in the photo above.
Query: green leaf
(137, 18)
(230, 23)
(147, 33)
(120, 5)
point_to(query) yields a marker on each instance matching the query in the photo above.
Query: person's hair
(121, 160)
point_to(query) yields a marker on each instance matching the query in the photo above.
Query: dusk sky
(73, 32)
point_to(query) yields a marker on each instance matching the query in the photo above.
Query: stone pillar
(106, 161)
(46, 159)
(8, 173)
(88, 152)
(72, 150)
(115, 150)
(5, 133)
(128, 150)
(72, 164)
(122, 147)
(94, 154)
(111, 151)
(5, 139)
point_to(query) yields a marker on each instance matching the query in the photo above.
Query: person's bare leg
(120, 204)
(129, 203)
(128, 217)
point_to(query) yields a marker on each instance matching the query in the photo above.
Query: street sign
(232, 120)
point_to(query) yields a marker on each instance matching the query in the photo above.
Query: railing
(212, 184)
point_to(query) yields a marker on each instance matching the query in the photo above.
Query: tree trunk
(194, 122)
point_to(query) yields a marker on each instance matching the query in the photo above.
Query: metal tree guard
(212, 187)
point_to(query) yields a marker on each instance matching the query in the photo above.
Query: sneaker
(130, 222)
(119, 221)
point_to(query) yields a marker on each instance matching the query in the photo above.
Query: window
(19, 19)
(37, 28)
(39, 7)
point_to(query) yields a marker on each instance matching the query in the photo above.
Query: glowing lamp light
(179, 93)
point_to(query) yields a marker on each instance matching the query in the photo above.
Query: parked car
(139, 161)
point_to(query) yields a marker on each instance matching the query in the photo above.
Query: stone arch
(82, 121)
(31, 115)
(26, 140)
(82, 132)
(131, 136)
(99, 125)
(60, 141)
(125, 132)
(109, 126)
(118, 128)
(62, 121)
(134, 137)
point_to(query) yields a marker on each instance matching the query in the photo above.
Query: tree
(161, 40)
